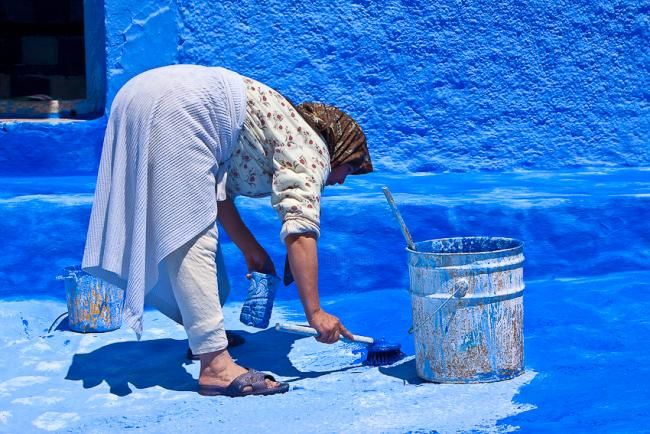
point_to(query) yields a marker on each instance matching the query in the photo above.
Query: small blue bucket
(256, 311)
(94, 305)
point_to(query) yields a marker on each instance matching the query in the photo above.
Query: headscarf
(345, 139)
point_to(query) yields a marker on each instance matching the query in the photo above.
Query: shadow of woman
(144, 364)
(404, 371)
(160, 362)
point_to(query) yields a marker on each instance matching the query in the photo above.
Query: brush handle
(308, 331)
(398, 216)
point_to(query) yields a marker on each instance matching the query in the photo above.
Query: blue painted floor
(586, 337)
(587, 369)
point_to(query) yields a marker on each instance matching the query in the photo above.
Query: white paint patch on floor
(157, 332)
(4, 416)
(448, 408)
(38, 400)
(53, 366)
(90, 342)
(308, 355)
(53, 421)
(37, 347)
(21, 382)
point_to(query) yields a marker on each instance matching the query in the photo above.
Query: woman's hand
(328, 326)
(258, 260)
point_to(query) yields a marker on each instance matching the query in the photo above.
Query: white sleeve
(300, 169)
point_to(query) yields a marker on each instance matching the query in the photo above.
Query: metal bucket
(467, 299)
(94, 305)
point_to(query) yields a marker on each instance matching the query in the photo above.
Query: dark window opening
(43, 65)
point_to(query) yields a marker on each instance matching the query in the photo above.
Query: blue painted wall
(438, 86)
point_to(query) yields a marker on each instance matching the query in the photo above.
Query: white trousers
(192, 286)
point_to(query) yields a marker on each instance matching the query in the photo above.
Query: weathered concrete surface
(140, 35)
(437, 85)
(451, 85)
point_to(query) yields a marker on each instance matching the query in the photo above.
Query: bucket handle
(462, 286)
(56, 321)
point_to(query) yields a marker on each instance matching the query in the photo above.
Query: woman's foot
(219, 369)
(251, 382)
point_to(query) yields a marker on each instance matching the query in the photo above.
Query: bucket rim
(71, 272)
(519, 246)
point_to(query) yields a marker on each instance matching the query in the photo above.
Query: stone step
(574, 223)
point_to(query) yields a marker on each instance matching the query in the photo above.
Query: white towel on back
(170, 134)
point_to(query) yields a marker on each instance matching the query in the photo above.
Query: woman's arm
(303, 259)
(256, 257)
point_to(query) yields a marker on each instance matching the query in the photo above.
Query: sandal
(249, 383)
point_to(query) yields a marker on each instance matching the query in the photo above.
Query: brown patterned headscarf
(345, 139)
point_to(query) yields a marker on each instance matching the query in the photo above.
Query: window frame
(93, 105)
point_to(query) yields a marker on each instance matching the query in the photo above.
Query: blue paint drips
(25, 327)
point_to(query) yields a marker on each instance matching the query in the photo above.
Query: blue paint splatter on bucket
(93, 304)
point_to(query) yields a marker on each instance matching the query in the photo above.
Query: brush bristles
(383, 353)
(381, 359)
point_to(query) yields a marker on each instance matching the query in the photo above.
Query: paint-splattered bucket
(94, 305)
(467, 299)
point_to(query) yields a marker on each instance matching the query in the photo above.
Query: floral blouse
(280, 155)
